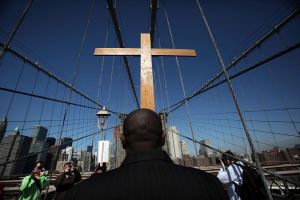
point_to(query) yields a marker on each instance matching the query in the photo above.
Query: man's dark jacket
(149, 176)
(64, 182)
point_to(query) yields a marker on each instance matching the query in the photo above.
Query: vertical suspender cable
(25, 11)
(44, 100)
(168, 103)
(72, 84)
(256, 160)
(13, 96)
(182, 85)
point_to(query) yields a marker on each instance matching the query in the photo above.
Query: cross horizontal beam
(137, 52)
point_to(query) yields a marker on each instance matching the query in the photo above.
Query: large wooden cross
(146, 53)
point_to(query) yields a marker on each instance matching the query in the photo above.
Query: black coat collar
(132, 158)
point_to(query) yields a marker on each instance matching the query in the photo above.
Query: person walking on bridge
(147, 171)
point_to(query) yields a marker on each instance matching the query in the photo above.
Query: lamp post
(102, 121)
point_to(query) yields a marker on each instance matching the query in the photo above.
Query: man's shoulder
(98, 178)
(195, 173)
(87, 186)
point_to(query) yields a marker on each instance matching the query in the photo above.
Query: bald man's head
(142, 130)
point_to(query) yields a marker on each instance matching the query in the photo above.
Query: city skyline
(267, 96)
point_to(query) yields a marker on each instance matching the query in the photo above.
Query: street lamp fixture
(102, 119)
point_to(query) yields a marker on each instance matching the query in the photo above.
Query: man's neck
(142, 148)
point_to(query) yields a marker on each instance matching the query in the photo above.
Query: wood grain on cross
(146, 53)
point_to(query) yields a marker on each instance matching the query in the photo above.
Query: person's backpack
(252, 187)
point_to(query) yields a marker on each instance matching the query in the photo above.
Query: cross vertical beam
(147, 90)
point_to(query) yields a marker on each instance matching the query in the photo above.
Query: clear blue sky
(52, 32)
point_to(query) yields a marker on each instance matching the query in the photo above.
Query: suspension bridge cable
(52, 110)
(254, 66)
(46, 90)
(154, 6)
(41, 69)
(180, 76)
(72, 83)
(30, 98)
(235, 101)
(160, 87)
(121, 43)
(263, 131)
(102, 62)
(281, 99)
(53, 126)
(163, 71)
(255, 135)
(15, 29)
(249, 50)
(254, 120)
(111, 77)
(43, 97)
(72, 129)
(166, 90)
(13, 95)
(240, 137)
(53, 147)
(267, 116)
(289, 180)
(250, 111)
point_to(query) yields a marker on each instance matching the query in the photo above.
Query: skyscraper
(65, 142)
(184, 147)
(14, 146)
(50, 153)
(118, 153)
(173, 143)
(37, 147)
(89, 149)
(39, 133)
(3, 125)
(205, 151)
(50, 141)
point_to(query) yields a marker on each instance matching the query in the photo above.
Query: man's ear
(123, 141)
(163, 139)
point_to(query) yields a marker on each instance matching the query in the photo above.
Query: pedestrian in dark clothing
(147, 171)
(100, 168)
(66, 180)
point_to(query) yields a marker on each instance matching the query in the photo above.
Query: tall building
(14, 146)
(205, 151)
(50, 153)
(89, 149)
(84, 161)
(172, 139)
(69, 154)
(50, 141)
(184, 147)
(39, 133)
(65, 142)
(3, 126)
(118, 153)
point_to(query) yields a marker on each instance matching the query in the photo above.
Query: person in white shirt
(230, 175)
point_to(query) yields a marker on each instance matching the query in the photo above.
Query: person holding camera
(66, 180)
(33, 184)
(230, 174)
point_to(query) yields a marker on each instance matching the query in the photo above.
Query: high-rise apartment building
(3, 126)
(12, 147)
(172, 138)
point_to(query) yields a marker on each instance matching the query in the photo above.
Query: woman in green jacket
(33, 185)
